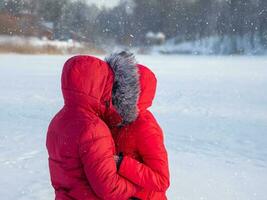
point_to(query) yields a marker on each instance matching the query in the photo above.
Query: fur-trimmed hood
(126, 87)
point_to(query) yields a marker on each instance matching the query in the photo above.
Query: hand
(116, 158)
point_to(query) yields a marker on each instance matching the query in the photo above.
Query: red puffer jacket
(80, 146)
(142, 140)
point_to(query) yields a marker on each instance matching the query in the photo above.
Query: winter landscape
(210, 58)
(213, 111)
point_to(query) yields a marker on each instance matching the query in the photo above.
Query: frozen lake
(213, 111)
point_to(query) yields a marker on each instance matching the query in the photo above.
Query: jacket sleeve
(153, 173)
(96, 152)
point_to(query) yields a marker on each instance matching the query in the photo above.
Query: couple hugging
(105, 143)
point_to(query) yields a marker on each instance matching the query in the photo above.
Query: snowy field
(213, 111)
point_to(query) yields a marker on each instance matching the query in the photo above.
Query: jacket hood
(134, 86)
(87, 82)
(148, 84)
(125, 91)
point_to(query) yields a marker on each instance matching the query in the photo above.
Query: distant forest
(130, 21)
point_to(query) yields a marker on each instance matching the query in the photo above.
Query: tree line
(129, 21)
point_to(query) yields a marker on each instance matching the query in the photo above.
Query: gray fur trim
(126, 88)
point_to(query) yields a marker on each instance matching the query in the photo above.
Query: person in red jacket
(80, 145)
(139, 138)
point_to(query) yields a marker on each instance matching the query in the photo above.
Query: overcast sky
(107, 3)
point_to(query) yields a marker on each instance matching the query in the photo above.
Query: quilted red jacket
(145, 159)
(80, 146)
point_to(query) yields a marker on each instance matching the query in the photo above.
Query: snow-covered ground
(248, 44)
(37, 42)
(213, 111)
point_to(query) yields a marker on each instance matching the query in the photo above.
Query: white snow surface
(213, 111)
(247, 45)
(37, 42)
